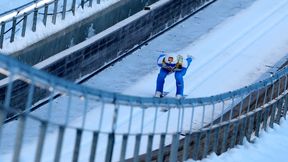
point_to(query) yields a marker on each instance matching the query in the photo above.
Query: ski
(162, 95)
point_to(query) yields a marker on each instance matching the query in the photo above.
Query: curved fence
(86, 124)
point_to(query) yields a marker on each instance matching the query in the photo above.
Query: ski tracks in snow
(238, 46)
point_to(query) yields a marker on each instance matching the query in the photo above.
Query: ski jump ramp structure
(121, 127)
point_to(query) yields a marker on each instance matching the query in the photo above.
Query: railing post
(110, 145)
(225, 136)
(265, 95)
(111, 137)
(278, 89)
(206, 144)
(64, 9)
(241, 106)
(123, 147)
(90, 3)
(142, 119)
(7, 100)
(216, 140)
(59, 144)
(196, 145)
(45, 14)
(24, 25)
(94, 147)
(285, 106)
(137, 148)
(77, 145)
(272, 92)
(174, 147)
(82, 4)
(14, 21)
(2, 119)
(279, 110)
(2, 34)
(186, 148)
(161, 147)
(222, 110)
(266, 116)
(34, 24)
(154, 121)
(242, 130)
(285, 84)
(250, 127)
(213, 113)
(232, 108)
(272, 116)
(167, 121)
(149, 148)
(192, 118)
(55, 12)
(257, 99)
(203, 116)
(40, 145)
(73, 6)
(249, 103)
(258, 123)
(19, 139)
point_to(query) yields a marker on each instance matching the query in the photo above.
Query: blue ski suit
(170, 64)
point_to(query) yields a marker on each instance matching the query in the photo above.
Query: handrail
(46, 79)
(231, 115)
(18, 19)
(17, 9)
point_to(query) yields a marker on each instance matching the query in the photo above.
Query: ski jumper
(172, 64)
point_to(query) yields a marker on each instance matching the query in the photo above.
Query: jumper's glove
(179, 64)
(180, 59)
(190, 56)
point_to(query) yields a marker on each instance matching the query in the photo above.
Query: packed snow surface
(230, 50)
(271, 146)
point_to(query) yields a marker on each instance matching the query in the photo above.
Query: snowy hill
(228, 55)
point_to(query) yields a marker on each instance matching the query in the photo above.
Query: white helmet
(171, 59)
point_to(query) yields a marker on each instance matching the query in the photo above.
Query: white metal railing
(91, 125)
(35, 15)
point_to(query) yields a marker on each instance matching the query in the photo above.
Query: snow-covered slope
(276, 139)
(231, 55)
